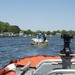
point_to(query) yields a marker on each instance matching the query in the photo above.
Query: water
(20, 47)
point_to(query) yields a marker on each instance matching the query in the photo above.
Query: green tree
(15, 29)
(54, 32)
(29, 32)
(1, 27)
(63, 32)
(48, 32)
(6, 27)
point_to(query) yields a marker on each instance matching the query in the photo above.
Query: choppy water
(19, 47)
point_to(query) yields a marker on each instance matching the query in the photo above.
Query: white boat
(36, 41)
(63, 64)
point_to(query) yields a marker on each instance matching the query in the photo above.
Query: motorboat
(63, 64)
(36, 41)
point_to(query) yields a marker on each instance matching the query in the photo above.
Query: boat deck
(43, 68)
(44, 65)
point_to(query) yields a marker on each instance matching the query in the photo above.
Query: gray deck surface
(44, 69)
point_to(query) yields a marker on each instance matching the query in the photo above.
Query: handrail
(65, 54)
(62, 71)
(51, 61)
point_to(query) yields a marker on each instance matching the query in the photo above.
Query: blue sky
(46, 15)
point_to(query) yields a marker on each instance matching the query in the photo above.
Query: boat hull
(39, 64)
(32, 42)
(38, 58)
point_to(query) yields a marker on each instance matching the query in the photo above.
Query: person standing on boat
(39, 36)
(43, 36)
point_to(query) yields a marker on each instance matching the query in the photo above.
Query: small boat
(63, 64)
(36, 41)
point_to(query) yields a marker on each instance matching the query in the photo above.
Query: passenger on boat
(43, 36)
(9, 70)
(39, 35)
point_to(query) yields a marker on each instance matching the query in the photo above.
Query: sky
(45, 15)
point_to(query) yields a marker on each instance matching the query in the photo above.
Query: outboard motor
(66, 53)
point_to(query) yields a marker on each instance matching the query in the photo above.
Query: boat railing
(50, 61)
(65, 54)
(62, 72)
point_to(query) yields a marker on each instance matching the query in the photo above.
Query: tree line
(6, 27)
(27, 32)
